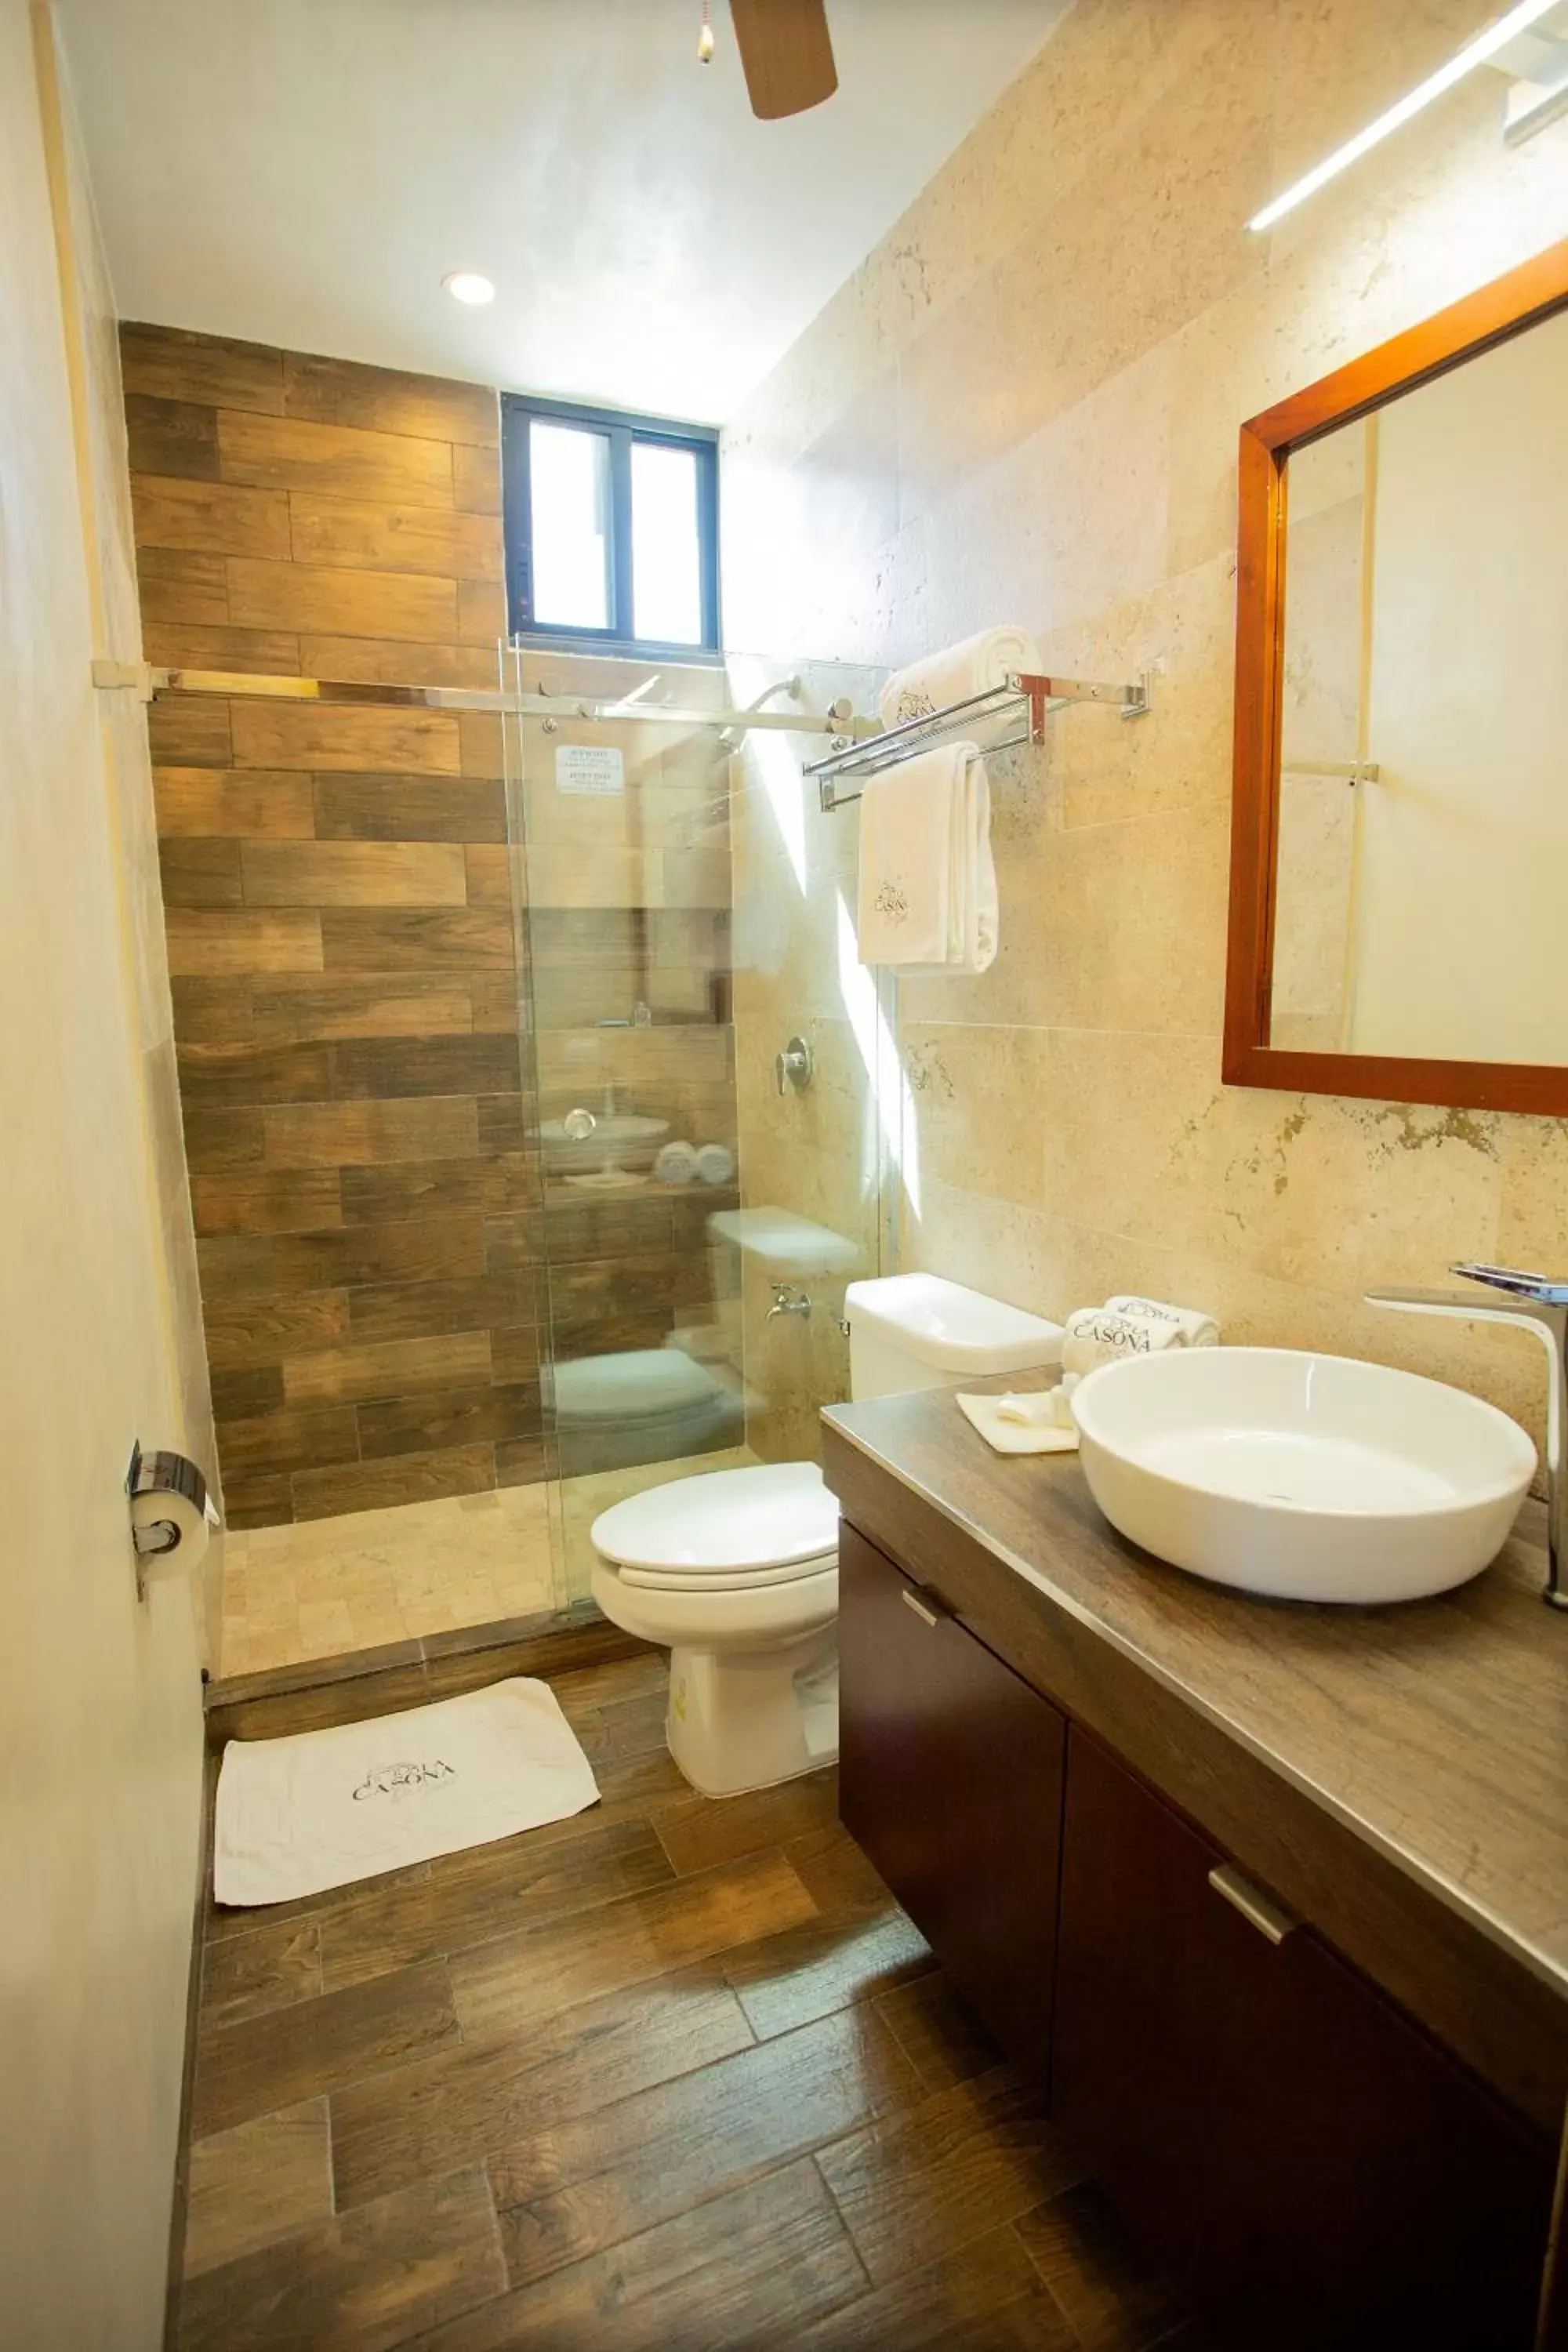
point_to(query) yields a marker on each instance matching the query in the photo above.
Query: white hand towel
(1041, 1423)
(957, 672)
(928, 882)
(1101, 1335)
(1194, 1327)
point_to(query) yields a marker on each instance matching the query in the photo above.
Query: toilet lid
(751, 1524)
(630, 1385)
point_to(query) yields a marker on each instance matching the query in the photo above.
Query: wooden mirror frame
(1491, 315)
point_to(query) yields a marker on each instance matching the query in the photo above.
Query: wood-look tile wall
(339, 899)
(337, 892)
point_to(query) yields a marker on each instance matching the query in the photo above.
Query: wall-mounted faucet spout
(1540, 1304)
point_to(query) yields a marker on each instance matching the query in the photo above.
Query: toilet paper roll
(171, 1516)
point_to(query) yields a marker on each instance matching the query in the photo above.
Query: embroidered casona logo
(402, 1780)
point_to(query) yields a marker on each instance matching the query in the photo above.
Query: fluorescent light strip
(1486, 45)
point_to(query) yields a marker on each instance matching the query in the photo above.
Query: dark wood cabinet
(951, 1777)
(1311, 2168)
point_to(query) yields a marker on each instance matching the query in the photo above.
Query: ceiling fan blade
(786, 54)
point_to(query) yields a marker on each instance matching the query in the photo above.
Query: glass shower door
(623, 827)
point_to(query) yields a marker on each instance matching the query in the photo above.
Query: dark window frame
(622, 430)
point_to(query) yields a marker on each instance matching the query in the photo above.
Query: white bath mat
(322, 1807)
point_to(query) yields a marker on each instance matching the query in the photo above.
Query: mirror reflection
(1422, 868)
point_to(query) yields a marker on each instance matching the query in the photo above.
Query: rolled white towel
(1193, 1325)
(927, 897)
(715, 1163)
(676, 1163)
(971, 666)
(1101, 1335)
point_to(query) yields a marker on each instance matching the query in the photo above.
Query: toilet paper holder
(154, 1539)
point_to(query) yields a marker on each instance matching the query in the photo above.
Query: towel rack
(1024, 698)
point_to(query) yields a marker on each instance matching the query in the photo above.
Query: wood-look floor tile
(808, 1971)
(244, 1976)
(938, 2031)
(256, 2183)
(613, 1683)
(521, 1883)
(579, 2188)
(612, 1735)
(501, 1985)
(981, 2299)
(221, 1923)
(696, 1834)
(360, 2282)
(926, 2181)
(477, 2095)
(326, 1704)
(750, 2270)
(294, 2054)
(1111, 2293)
(469, 1669)
(840, 1878)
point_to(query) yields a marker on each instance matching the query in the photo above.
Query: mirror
(1399, 916)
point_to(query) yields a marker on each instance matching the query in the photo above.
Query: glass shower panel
(624, 831)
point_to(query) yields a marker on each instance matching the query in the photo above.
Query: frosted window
(667, 549)
(569, 491)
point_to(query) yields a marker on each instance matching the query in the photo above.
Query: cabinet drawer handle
(923, 1609)
(1254, 1908)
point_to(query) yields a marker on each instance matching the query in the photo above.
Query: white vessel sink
(1309, 1477)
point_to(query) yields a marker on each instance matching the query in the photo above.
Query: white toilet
(639, 1405)
(737, 1571)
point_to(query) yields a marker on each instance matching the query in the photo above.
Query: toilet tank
(917, 1331)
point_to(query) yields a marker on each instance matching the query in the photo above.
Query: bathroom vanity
(1270, 1900)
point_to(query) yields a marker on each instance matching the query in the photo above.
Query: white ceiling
(303, 173)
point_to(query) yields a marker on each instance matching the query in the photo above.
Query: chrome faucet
(1541, 1305)
(788, 1300)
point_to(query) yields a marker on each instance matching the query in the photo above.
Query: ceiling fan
(786, 54)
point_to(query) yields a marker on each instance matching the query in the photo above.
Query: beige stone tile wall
(822, 1153)
(1023, 406)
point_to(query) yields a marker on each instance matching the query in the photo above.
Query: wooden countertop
(1436, 1731)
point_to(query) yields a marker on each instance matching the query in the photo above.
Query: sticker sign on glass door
(590, 768)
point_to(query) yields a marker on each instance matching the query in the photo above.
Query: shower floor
(320, 1587)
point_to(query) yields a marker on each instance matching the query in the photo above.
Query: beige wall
(1025, 407)
(100, 1696)
(820, 1153)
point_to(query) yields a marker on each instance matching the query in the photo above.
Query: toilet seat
(727, 1531)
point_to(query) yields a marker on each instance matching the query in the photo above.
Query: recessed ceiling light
(468, 286)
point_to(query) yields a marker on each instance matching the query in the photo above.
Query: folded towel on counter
(928, 883)
(957, 672)
(1135, 1326)
(1039, 1422)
